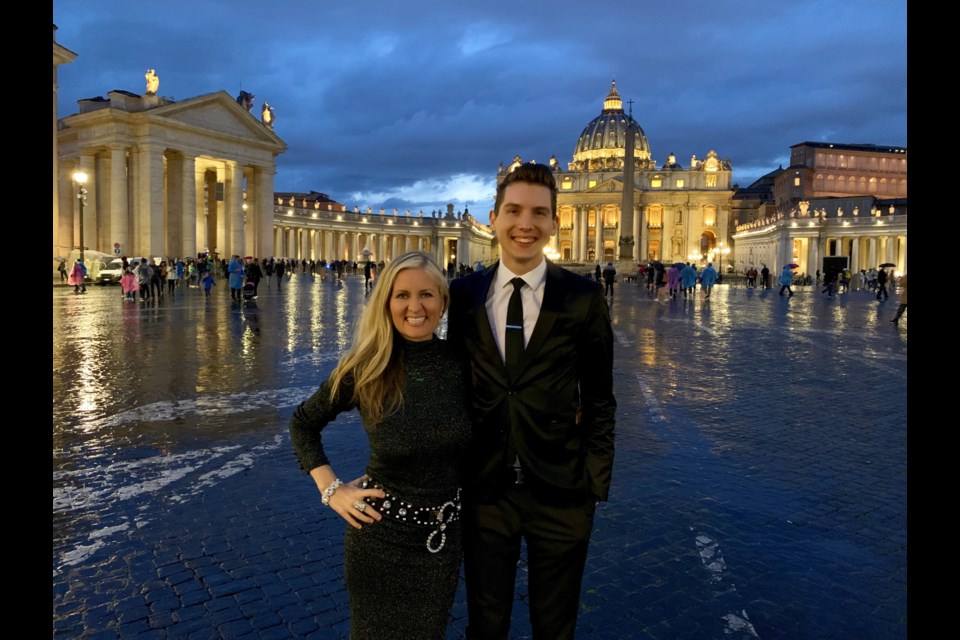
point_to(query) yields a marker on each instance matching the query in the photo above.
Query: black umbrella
(655, 263)
(887, 264)
(679, 265)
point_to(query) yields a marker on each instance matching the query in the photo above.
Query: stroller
(248, 291)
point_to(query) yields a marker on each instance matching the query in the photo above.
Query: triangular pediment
(613, 185)
(220, 113)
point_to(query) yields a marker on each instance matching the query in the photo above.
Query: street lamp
(80, 178)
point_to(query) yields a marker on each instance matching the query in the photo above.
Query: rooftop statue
(245, 100)
(266, 114)
(153, 82)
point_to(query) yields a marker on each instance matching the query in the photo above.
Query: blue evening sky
(413, 104)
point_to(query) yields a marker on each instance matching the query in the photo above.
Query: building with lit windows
(178, 178)
(675, 213)
(833, 201)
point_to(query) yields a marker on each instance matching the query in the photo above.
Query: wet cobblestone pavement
(759, 487)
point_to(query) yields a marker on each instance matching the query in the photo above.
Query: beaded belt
(398, 509)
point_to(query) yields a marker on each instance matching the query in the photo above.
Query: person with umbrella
(786, 278)
(62, 269)
(708, 278)
(882, 283)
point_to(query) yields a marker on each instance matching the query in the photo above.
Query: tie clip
(514, 326)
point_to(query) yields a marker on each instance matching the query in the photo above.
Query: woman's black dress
(398, 588)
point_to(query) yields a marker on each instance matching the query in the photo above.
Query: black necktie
(513, 346)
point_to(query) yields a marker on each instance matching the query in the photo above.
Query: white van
(112, 273)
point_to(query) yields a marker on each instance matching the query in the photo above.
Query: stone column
(355, 246)
(598, 238)
(813, 256)
(260, 210)
(235, 239)
(118, 198)
(891, 242)
(583, 223)
(855, 255)
(149, 225)
(872, 253)
(289, 243)
(67, 193)
(188, 207)
(200, 219)
(305, 251)
(643, 237)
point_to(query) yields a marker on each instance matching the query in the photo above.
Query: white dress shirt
(498, 298)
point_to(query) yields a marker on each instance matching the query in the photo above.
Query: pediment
(217, 112)
(613, 185)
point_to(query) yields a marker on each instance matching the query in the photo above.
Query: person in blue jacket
(786, 279)
(688, 280)
(707, 279)
(236, 271)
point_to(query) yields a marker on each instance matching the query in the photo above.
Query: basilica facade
(671, 213)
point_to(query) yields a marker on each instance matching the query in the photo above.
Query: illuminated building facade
(834, 200)
(678, 213)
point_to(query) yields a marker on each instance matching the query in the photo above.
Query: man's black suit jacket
(560, 409)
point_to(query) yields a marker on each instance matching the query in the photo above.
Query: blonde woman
(403, 541)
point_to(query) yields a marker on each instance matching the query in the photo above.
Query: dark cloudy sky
(412, 104)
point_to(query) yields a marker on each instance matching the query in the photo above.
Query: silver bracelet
(328, 492)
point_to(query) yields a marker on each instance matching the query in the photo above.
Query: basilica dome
(601, 144)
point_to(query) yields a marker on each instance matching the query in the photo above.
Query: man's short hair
(534, 174)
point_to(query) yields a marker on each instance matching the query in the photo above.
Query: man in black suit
(543, 412)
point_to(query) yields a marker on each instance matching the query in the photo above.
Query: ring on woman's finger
(360, 505)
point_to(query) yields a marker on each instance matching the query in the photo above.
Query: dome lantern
(600, 146)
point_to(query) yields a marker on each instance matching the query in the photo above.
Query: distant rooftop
(852, 147)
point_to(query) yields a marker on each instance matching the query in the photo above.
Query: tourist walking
(235, 270)
(707, 279)
(903, 299)
(144, 272)
(688, 280)
(78, 277)
(882, 293)
(208, 284)
(673, 281)
(609, 277)
(254, 274)
(129, 286)
(62, 270)
(786, 279)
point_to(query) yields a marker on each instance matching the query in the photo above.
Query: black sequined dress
(399, 589)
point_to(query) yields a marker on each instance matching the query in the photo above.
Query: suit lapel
(479, 305)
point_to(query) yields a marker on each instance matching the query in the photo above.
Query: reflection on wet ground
(745, 416)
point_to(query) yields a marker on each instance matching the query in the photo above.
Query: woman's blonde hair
(373, 362)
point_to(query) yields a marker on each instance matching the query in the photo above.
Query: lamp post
(80, 178)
